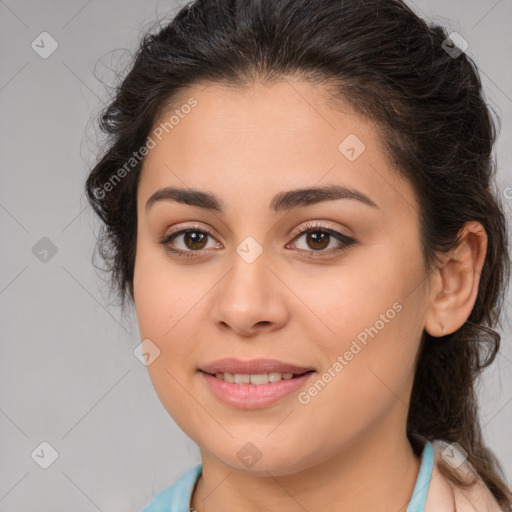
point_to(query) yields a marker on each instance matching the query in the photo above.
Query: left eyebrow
(284, 201)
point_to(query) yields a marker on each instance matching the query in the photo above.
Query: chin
(250, 460)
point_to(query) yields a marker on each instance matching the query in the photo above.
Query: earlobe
(454, 285)
(438, 322)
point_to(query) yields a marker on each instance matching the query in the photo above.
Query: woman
(297, 198)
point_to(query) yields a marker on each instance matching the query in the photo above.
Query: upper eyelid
(303, 228)
(344, 241)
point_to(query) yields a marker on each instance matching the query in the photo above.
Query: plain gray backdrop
(69, 377)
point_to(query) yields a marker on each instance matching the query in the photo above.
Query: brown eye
(195, 240)
(318, 238)
(187, 242)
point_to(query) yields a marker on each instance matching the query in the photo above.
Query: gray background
(68, 373)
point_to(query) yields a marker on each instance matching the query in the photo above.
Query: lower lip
(253, 396)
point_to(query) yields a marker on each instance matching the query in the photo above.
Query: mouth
(259, 368)
(254, 384)
(258, 379)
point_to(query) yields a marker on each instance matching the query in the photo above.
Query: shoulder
(177, 496)
(442, 492)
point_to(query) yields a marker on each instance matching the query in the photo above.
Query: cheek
(347, 303)
(165, 303)
(155, 293)
(367, 326)
(159, 308)
(363, 383)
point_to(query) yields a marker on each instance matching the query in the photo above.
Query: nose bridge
(249, 268)
(250, 295)
(246, 295)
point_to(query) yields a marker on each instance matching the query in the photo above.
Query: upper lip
(253, 366)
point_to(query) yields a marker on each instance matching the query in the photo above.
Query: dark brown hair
(392, 67)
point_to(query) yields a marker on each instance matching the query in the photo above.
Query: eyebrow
(284, 201)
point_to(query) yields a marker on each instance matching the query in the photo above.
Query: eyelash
(306, 228)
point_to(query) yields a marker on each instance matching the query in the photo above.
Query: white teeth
(275, 376)
(242, 378)
(228, 377)
(258, 378)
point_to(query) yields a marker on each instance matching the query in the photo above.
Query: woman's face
(352, 309)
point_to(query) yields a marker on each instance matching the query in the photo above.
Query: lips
(244, 395)
(254, 366)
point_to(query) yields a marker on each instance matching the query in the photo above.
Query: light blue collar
(419, 494)
(177, 497)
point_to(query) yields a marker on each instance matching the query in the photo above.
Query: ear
(454, 285)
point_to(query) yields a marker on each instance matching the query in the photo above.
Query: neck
(377, 472)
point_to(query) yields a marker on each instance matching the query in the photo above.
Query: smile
(257, 378)
(253, 391)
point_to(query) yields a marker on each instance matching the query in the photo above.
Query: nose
(250, 297)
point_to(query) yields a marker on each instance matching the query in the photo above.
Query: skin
(347, 449)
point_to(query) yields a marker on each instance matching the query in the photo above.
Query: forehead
(284, 115)
(266, 137)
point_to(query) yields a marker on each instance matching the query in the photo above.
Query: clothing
(441, 493)
(177, 497)
(431, 493)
